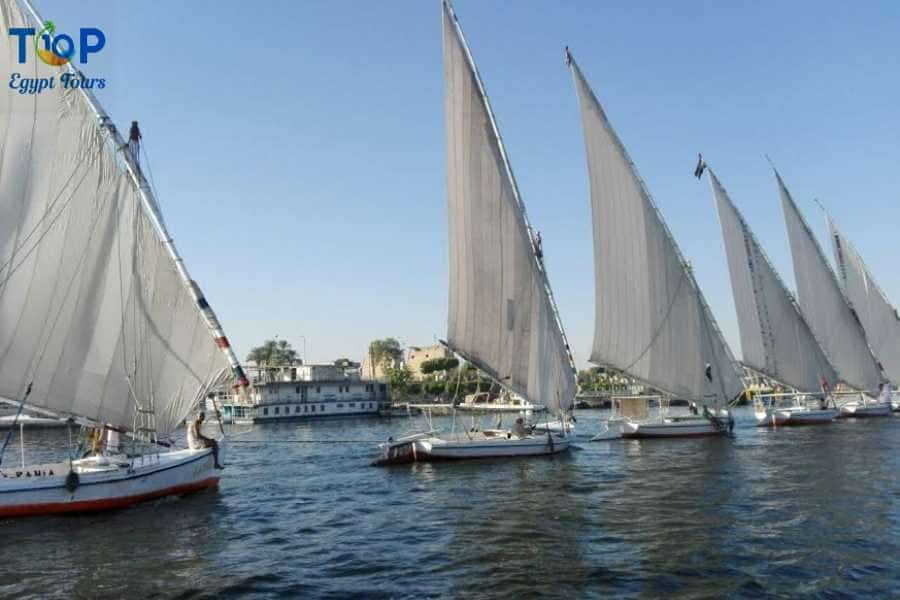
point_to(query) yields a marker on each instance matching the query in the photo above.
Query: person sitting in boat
(196, 439)
(519, 429)
(884, 393)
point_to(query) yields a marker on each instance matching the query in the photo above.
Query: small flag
(701, 166)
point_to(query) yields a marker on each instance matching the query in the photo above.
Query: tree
(400, 378)
(273, 353)
(385, 353)
(439, 364)
(345, 363)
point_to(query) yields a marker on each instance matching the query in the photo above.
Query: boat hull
(788, 418)
(437, 449)
(865, 411)
(41, 490)
(669, 429)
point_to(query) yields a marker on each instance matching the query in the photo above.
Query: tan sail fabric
(823, 303)
(879, 319)
(500, 313)
(652, 321)
(92, 311)
(775, 338)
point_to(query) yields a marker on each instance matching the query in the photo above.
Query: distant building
(312, 391)
(417, 355)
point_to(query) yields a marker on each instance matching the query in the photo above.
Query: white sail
(824, 305)
(652, 321)
(96, 318)
(501, 313)
(775, 338)
(879, 319)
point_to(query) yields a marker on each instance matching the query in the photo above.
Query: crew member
(196, 439)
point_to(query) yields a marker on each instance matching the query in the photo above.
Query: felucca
(831, 318)
(879, 318)
(502, 317)
(652, 322)
(776, 341)
(100, 322)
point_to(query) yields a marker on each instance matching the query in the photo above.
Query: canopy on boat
(652, 321)
(775, 338)
(824, 305)
(502, 316)
(98, 317)
(879, 319)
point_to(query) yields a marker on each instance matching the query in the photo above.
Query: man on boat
(519, 430)
(196, 439)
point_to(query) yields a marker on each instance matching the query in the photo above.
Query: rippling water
(792, 512)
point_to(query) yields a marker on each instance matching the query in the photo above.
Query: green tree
(385, 353)
(273, 353)
(400, 379)
(439, 364)
(345, 363)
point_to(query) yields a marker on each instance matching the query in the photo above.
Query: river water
(793, 512)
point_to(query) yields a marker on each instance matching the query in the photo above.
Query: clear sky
(298, 147)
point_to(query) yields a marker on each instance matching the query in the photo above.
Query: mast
(151, 210)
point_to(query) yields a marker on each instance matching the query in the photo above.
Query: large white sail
(824, 305)
(879, 319)
(97, 317)
(775, 338)
(652, 321)
(501, 313)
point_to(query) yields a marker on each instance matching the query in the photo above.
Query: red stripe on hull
(25, 510)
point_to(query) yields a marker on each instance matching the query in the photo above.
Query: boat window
(304, 409)
(340, 406)
(265, 411)
(277, 409)
(353, 405)
(322, 408)
(318, 389)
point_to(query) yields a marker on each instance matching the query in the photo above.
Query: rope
(12, 426)
(661, 324)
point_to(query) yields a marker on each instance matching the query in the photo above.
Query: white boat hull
(431, 448)
(858, 410)
(104, 484)
(669, 429)
(785, 417)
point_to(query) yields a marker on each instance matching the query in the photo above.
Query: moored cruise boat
(315, 391)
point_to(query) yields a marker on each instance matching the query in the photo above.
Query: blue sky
(298, 147)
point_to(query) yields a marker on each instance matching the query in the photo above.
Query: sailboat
(652, 322)
(502, 317)
(776, 341)
(879, 318)
(830, 316)
(100, 321)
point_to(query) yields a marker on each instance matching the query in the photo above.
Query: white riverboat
(652, 322)
(782, 410)
(502, 316)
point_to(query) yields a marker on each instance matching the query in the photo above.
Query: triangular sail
(879, 319)
(652, 321)
(97, 319)
(501, 312)
(775, 338)
(824, 305)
